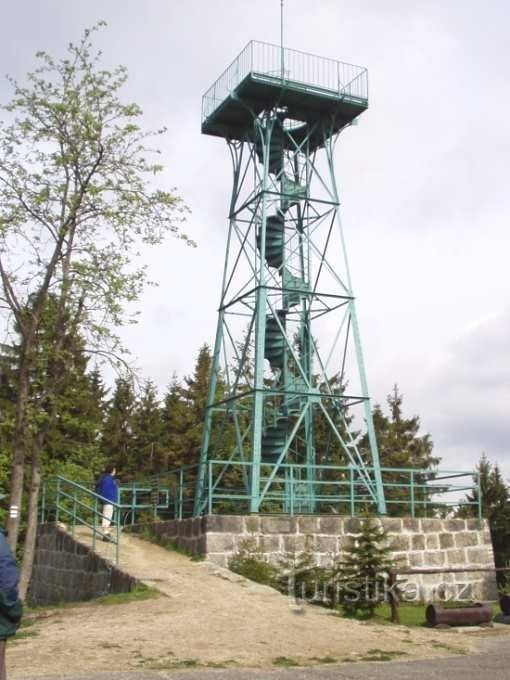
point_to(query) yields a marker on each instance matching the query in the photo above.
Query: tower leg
(260, 328)
(374, 451)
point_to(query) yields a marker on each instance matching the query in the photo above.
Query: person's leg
(3, 675)
(107, 517)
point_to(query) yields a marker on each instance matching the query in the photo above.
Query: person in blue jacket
(109, 491)
(10, 604)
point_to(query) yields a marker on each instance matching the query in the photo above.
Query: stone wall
(415, 543)
(68, 571)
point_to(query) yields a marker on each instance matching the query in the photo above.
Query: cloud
(423, 181)
(465, 395)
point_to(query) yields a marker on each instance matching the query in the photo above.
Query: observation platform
(313, 89)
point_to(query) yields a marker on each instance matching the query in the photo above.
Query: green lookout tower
(288, 374)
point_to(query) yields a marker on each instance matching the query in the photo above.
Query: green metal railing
(338, 489)
(268, 62)
(329, 489)
(76, 505)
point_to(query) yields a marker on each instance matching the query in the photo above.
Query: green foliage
(495, 496)
(138, 594)
(299, 575)
(361, 573)
(147, 432)
(401, 445)
(175, 418)
(77, 201)
(7, 408)
(117, 441)
(250, 563)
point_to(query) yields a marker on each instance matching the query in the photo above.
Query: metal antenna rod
(281, 39)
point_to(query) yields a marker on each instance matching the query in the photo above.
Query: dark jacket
(108, 489)
(10, 604)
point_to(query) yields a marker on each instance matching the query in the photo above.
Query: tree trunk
(18, 456)
(31, 535)
(55, 370)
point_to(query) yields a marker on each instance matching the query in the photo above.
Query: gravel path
(206, 617)
(493, 662)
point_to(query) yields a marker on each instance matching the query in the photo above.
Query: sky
(424, 183)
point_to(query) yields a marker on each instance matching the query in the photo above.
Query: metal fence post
(57, 501)
(291, 480)
(209, 490)
(351, 490)
(117, 527)
(133, 503)
(43, 503)
(73, 526)
(411, 481)
(479, 490)
(181, 490)
(94, 524)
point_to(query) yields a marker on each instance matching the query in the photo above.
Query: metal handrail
(63, 494)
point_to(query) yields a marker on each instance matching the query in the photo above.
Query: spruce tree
(495, 497)
(195, 392)
(148, 457)
(176, 419)
(360, 578)
(401, 445)
(117, 442)
(73, 437)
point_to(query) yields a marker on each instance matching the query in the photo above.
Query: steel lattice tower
(287, 319)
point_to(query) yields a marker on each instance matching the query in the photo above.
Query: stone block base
(415, 543)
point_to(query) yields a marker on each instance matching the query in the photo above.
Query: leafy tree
(76, 200)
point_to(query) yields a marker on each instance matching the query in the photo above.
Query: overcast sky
(424, 181)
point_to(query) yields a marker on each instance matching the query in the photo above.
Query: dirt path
(209, 617)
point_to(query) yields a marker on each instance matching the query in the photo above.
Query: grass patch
(324, 659)
(187, 663)
(285, 662)
(33, 615)
(23, 635)
(381, 655)
(411, 614)
(446, 647)
(138, 594)
(169, 664)
(176, 664)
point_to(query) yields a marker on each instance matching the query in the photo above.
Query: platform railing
(330, 489)
(320, 489)
(264, 61)
(292, 489)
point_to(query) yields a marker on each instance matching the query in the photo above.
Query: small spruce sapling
(360, 577)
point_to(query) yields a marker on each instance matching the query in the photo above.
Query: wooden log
(473, 615)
